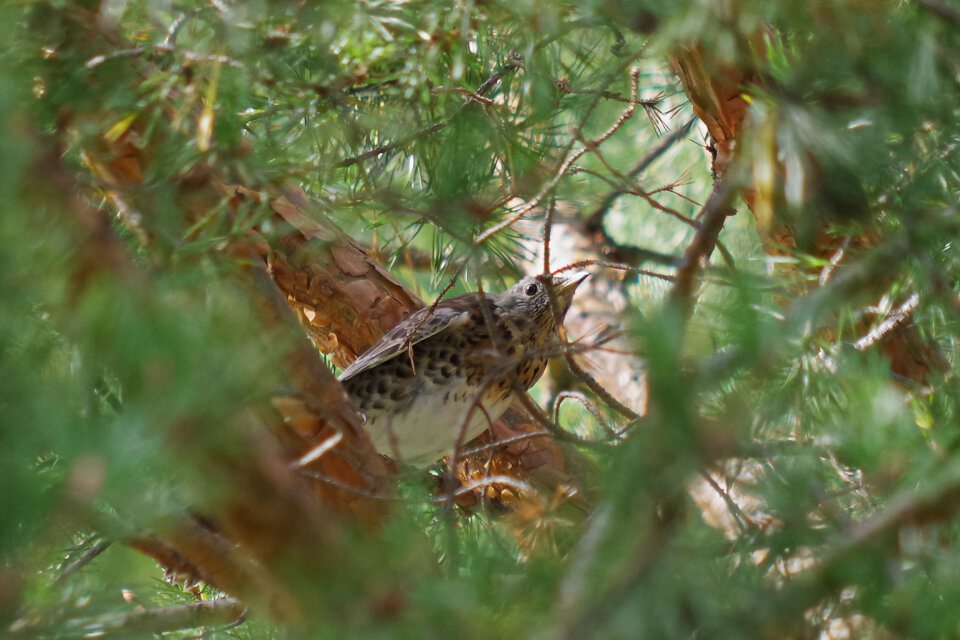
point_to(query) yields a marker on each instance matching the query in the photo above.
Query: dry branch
(712, 217)
(143, 622)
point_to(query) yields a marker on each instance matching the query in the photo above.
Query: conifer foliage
(210, 208)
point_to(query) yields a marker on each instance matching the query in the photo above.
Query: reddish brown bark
(717, 94)
(342, 296)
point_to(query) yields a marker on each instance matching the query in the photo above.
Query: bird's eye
(531, 290)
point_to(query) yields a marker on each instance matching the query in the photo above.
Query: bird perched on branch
(447, 372)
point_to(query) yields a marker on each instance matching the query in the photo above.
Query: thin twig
(496, 444)
(897, 317)
(83, 560)
(510, 481)
(553, 428)
(589, 406)
(595, 219)
(386, 148)
(659, 257)
(547, 229)
(624, 188)
(319, 450)
(835, 259)
(712, 217)
(610, 596)
(598, 388)
(218, 612)
(743, 522)
(170, 41)
(565, 87)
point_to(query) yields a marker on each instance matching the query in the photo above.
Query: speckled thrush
(443, 375)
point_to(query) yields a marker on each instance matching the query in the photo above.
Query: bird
(448, 371)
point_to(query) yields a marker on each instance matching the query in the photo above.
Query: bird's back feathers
(447, 314)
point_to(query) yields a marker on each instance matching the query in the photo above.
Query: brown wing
(447, 313)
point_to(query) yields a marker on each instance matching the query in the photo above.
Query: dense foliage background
(760, 420)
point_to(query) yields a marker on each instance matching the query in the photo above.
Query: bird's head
(531, 296)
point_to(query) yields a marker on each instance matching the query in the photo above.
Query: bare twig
(582, 622)
(170, 41)
(549, 425)
(476, 405)
(510, 481)
(445, 498)
(598, 388)
(582, 559)
(496, 444)
(83, 560)
(589, 406)
(386, 148)
(835, 259)
(465, 93)
(623, 187)
(191, 56)
(897, 317)
(318, 451)
(595, 219)
(743, 522)
(222, 611)
(564, 86)
(712, 217)
(655, 257)
(547, 229)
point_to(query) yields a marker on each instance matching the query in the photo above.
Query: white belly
(429, 429)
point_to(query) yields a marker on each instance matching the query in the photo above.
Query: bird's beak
(565, 284)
